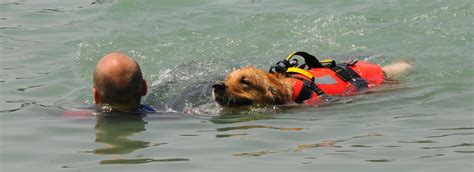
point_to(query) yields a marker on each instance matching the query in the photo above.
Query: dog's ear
(280, 96)
(278, 89)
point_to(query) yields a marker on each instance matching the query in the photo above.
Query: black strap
(310, 60)
(307, 90)
(348, 75)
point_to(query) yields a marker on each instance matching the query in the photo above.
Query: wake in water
(186, 89)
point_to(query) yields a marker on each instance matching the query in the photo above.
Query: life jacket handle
(310, 60)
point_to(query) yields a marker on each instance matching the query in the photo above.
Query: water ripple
(229, 135)
(141, 161)
(419, 141)
(127, 161)
(452, 134)
(12, 3)
(454, 146)
(253, 154)
(51, 10)
(246, 127)
(432, 156)
(29, 87)
(464, 151)
(380, 160)
(23, 104)
(460, 128)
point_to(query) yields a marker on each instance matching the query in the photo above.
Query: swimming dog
(288, 83)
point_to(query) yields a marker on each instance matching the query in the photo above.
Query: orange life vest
(343, 79)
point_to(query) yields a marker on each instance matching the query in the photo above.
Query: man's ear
(97, 98)
(144, 88)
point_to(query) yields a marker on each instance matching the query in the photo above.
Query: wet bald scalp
(119, 81)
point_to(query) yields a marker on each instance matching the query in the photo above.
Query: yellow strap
(300, 71)
(327, 61)
(291, 55)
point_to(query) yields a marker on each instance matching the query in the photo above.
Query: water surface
(49, 49)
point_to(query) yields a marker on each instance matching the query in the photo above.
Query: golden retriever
(249, 85)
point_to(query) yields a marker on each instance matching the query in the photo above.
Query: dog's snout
(219, 86)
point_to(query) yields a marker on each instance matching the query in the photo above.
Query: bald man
(119, 85)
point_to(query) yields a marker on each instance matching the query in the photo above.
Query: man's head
(118, 82)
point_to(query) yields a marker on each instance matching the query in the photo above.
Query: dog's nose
(219, 86)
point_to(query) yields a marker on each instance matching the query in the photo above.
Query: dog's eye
(245, 82)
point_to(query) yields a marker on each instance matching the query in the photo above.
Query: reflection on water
(231, 115)
(140, 161)
(246, 127)
(300, 148)
(114, 131)
(323, 144)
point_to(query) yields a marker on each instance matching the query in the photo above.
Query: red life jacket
(342, 79)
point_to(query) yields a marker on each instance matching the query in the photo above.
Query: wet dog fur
(249, 85)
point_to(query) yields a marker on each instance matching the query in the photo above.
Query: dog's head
(249, 85)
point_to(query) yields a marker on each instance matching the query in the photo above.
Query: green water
(48, 49)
